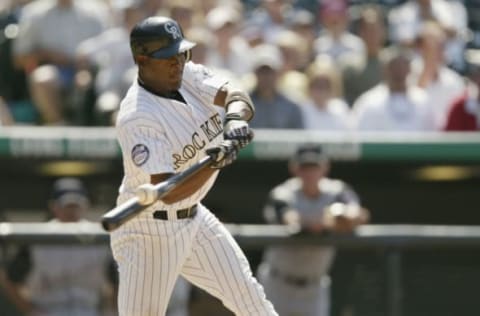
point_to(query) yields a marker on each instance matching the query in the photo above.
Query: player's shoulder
(287, 188)
(200, 73)
(372, 99)
(193, 69)
(135, 106)
(332, 186)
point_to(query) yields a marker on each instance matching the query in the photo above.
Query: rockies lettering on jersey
(211, 129)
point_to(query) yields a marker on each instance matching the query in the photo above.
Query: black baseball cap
(69, 191)
(309, 154)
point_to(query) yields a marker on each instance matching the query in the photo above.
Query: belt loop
(188, 212)
(163, 215)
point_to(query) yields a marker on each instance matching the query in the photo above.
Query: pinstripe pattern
(152, 253)
(159, 135)
(169, 129)
(219, 266)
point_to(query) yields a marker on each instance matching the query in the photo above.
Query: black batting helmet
(158, 37)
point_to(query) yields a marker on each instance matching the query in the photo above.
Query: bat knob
(147, 194)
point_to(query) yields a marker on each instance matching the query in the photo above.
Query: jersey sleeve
(277, 204)
(203, 81)
(145, 146)
(347, 195)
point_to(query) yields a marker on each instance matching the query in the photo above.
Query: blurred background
(388, 87)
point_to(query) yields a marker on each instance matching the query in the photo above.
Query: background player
(167, 122)
(59, 280)
(296, 278)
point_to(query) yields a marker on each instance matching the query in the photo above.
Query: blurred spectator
(228, 51)
(182, 11)
(108, 59)
(203, 38)
(464, 115)
(335, 40)
(152, 7)
(13, 84)
(273, 108)
(5, 115)
(326, 110)
(50, 31)
(296, 278)
(253, 34)
(294, 50)
(429, 72)
(362, 72)
(59, 280)
(405, 22)
(271, 17)
(205, 6)
(304, 24)
(295, 56)
(393, 105)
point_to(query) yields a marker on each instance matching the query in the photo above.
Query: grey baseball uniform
(161, 135)
(296, 278)
(63, 280)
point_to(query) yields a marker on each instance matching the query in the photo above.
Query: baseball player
(175, 113)
(59, 280)
(296, 278)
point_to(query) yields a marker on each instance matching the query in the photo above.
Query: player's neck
(311, 193)
(175, 95)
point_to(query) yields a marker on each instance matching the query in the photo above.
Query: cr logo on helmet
(172, 29)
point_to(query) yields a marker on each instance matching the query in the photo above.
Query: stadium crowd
(325, 65)
(329, 65)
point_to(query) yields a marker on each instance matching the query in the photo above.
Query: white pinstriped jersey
(161, 135)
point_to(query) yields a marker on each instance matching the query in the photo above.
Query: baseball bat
(130, 208)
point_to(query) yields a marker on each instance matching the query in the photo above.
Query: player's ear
(141, 60)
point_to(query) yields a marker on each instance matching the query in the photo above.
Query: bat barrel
(122, 213)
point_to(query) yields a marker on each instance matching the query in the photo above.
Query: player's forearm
(239, 106)
(14, 295)
(237, 103)
(187, 188)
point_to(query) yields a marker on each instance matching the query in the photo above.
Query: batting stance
(174, 114)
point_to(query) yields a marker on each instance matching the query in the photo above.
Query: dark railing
(391, 239)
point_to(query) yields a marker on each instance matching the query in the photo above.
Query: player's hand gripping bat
(148, 194)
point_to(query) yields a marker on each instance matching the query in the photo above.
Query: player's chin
(176, 83)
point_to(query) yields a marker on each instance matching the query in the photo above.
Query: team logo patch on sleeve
(140, 154)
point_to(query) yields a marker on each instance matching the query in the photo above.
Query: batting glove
(238, 130)
(224, 153)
